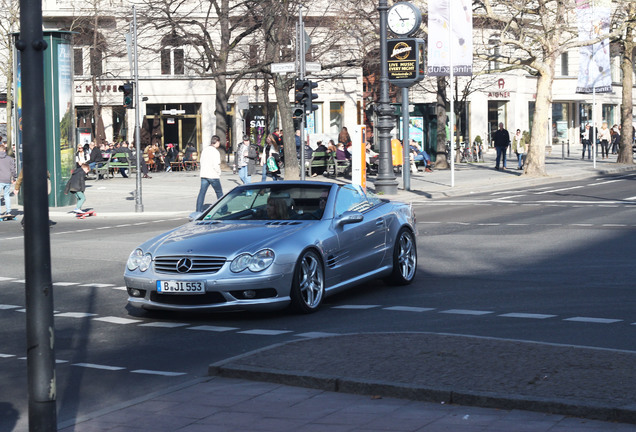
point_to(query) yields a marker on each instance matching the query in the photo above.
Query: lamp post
(386, 183)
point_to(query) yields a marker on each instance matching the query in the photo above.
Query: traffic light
(304, 96)
(127, 89)
(298, 111)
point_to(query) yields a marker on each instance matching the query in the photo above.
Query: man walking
(502, 140)
(210, 162)
(7, 177)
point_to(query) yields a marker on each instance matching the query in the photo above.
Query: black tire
(404, 258)
(308, 286)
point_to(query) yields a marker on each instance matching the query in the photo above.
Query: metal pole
(301, 75)
(452, 93)
(139, 207)
(40, 326)
(386, 182)
(406, 165)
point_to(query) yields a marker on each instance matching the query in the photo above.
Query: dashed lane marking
(316, 334)
(7, 306)
(65, 283)
(97, 285)
(408, 309)
(593, 320)
(75, 315)
(265, 332)
(466, 312)
(98, 366)
(117, 320)
(527, 315)
(154, 372)
(7, 355)
(359, 307)
(213, 328)
(162, 324)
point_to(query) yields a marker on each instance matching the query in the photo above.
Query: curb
(443, 395)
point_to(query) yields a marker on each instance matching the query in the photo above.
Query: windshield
(275, 202)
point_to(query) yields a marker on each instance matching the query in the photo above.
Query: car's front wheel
(404, 258)
(308, 287)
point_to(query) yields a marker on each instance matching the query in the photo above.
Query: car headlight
(256, 263)
(139, 260)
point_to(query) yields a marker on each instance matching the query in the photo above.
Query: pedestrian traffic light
(127, 89)
(298, 110)
(304, 96)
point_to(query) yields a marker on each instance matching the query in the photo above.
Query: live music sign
(406, 61)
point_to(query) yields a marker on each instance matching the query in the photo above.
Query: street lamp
(386, 182)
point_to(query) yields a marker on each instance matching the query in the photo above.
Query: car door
(361, 243)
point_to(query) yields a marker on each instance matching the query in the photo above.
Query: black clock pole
(386, 182)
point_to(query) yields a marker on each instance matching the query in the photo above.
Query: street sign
(283, 67)
(242, 102)
(313, 67)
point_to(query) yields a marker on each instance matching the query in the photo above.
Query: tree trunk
(535, 160)
(440, 109)
(292, 169)
(220, 108)
(625, 155)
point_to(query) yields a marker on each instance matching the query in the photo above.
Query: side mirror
(194, 216)
(350, 217)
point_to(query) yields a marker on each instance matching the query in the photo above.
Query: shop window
(336, 117)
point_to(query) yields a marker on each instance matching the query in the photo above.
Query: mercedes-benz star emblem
(184, 265)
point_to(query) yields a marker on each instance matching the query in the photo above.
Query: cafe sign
(406, 62)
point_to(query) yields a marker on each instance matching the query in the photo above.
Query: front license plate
(181, 287)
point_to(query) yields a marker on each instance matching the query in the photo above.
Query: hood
(224, 239)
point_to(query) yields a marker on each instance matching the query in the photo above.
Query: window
(564, 64)
(78, 61)
(172, 61)
(493, 65)
(96, 62)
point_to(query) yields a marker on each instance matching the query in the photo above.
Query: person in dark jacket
(501, 139)
(77, 185)
(95, 159)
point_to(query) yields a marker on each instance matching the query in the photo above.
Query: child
(77, 184)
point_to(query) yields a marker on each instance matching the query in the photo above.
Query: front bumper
(255, 292)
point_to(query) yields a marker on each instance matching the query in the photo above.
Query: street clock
(404, 18)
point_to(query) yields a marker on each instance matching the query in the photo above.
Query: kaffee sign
(405, 61)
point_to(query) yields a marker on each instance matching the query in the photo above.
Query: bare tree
(626, 42)
(9, 23)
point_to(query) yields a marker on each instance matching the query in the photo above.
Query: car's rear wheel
(404, 258)
(308, 287)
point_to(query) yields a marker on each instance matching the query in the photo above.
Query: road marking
(558, 190)
(357, 307)
(120, 288)
(75, 315)
(527, 315)
(5, 278)
(116, 320)
(614, 225)
(213, 328)
(7, 306)
(97, 285)
(408, 309)
(593, 320)
(163, 324)
(317, 334)
(488, 224)
(517, 224)
(465, 312)
(153, 372)
(65, 283)
(97, 366)
(264, 332)
(6, 355)
(582, 224)
(630, 198)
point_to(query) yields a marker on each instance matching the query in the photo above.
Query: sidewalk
(393, 382)
(175, 193)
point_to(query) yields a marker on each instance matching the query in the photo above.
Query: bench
(319, 161)
(116, 162)
(336, 166)
(101, 170)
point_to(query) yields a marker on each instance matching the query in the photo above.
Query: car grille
(188, 300)
(188, 264)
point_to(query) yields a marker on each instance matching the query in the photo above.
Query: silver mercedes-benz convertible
(275, 244)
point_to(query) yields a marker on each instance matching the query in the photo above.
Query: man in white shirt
(210, 163)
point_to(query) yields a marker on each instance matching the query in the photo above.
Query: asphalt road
(552, 264)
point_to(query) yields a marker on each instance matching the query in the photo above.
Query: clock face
(403, 18)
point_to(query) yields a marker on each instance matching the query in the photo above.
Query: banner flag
(439, 16)
(594, 64)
